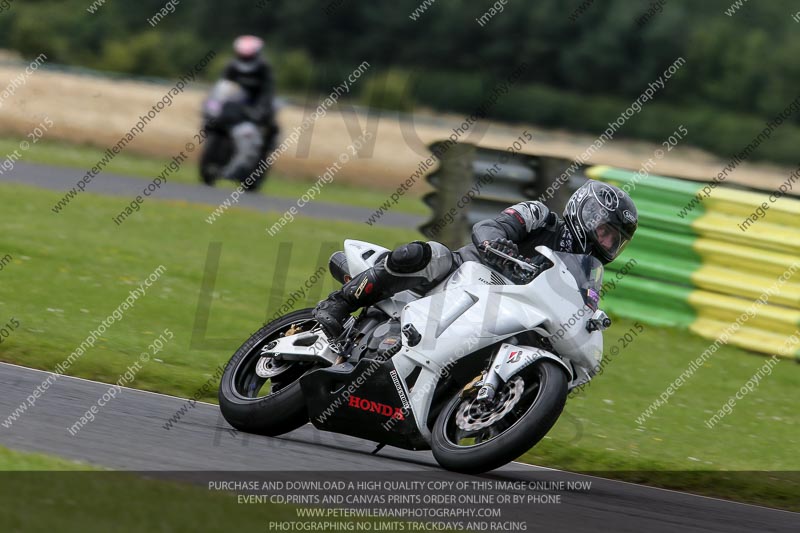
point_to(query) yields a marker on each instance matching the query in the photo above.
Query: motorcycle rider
(599, 219)
(251, 71)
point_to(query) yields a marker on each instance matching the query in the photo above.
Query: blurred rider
(251, 71)
(599, 220)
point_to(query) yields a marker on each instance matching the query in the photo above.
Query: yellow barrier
(730, 256)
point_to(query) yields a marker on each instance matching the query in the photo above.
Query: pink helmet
(248, 47)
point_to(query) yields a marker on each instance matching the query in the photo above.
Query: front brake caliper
(292, 330)
(475, 383)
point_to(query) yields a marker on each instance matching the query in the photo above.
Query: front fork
(491, 380)
(509, 360)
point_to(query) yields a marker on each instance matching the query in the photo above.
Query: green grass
(14, 461)
(753, 450)
(43, 493)
(85, 157)
(763, 425)
(69, 271)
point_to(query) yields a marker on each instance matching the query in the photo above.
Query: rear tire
(523, 433)
(283, 409)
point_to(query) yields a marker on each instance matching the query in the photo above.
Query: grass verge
(69, 271)
(43, 493)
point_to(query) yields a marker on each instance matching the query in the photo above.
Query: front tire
(470, 440)
(215, 155)
(265, 406)
(257, 183)
(254, 185)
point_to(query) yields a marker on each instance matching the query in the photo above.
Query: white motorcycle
(477, 369)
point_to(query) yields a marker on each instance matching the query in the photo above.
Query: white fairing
(470, 273)
(475, 307)
(361, 255)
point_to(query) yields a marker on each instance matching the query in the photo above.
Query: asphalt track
(128, 434)
(62, 179)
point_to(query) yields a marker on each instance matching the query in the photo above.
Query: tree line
(588, 60)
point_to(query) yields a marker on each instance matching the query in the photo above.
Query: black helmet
(602, 218)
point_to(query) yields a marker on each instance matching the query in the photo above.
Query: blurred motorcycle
(224, 109)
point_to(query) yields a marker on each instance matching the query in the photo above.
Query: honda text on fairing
(477, 369)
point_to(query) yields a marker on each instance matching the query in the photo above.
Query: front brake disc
(472, 415)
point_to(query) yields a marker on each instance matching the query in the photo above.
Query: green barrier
(658, 216)
(696, 267)
(653, 301)
(656, 265)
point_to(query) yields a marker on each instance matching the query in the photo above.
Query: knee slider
(409, 258)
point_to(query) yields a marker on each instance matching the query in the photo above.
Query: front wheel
(215, 155)
(264, 396)
(253, 185)
(473, 437)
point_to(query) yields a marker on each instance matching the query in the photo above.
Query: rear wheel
(261, 395)
(474, 436)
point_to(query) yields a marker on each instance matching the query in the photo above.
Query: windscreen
(588, 273)
(224, 92)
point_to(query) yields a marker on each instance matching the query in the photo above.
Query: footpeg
(341, 345)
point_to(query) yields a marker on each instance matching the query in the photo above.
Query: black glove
(539, 263)
(506, 246)
(522, 274)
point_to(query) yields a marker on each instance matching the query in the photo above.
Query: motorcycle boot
(367, 288)
(418, 265)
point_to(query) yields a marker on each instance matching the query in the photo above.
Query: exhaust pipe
(338, 267)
